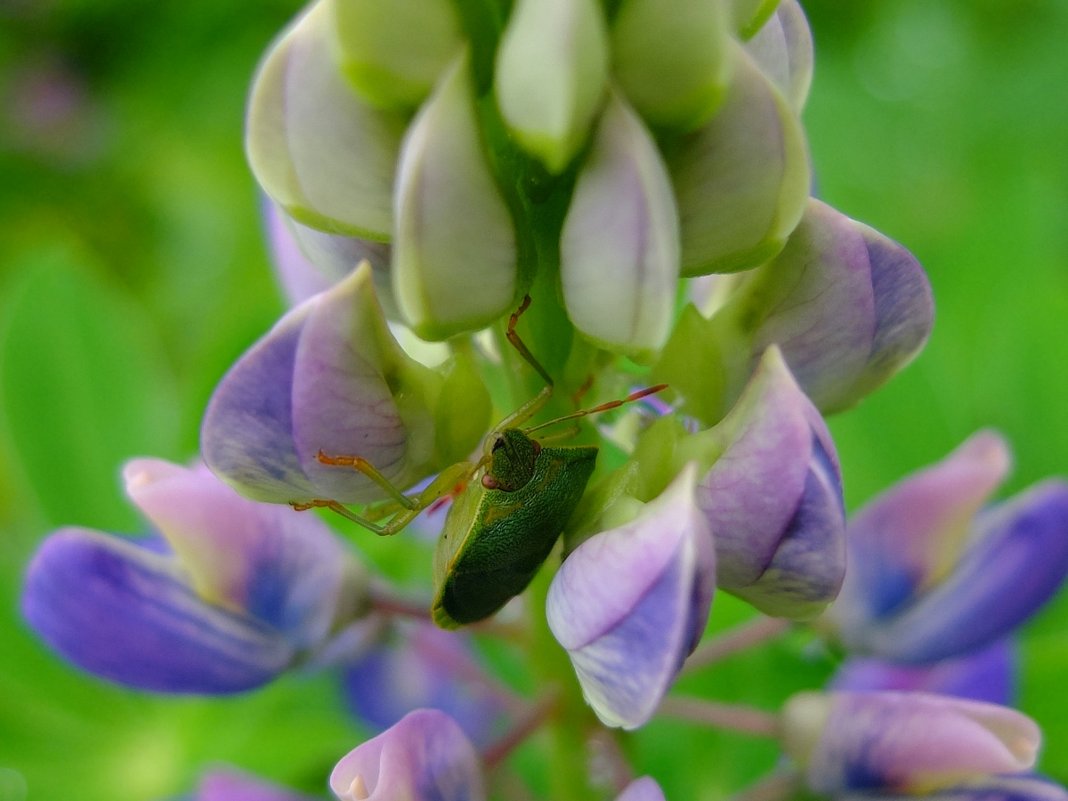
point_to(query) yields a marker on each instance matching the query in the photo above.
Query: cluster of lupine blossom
(429, 164)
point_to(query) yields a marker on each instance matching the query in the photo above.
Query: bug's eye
(497, 444)
(536, 447)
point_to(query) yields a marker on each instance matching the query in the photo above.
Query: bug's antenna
(604, 407)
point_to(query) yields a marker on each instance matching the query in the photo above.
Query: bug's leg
(520, 345)
(402, 513)
(532, 406)
(348, 514)
(361, 465)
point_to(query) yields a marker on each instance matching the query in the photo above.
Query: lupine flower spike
(933, 575)
(633, 178)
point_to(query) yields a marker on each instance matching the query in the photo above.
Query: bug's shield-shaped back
(494, 542)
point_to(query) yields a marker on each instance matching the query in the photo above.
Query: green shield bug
(509, 507)
(495, 539)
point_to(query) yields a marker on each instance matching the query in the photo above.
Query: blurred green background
(132, 272)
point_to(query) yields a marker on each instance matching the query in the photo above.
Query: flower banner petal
(124, 612)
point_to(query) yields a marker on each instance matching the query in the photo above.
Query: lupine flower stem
(572, 719)
(610, 765)
(740, 638)
(725, 716)
(777, 786)
(387, 603)
(528, 722)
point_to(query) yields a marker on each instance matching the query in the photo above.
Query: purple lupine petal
(299, 278)
(424, 666)
(773, 499)
(342, 400)
(1027, 787)
(987, 675)
(904, 742)
(280, 567)
(126, 613)
(247, 434)
(906, 539)
(904, 307)
(1015, 561)
(631, 603)
(229, 785)
(848, 307)
(643, 789)
(424, 757)
(817, 303)
(783, 50)
(806, 571)
(308, 261)
(318, 381)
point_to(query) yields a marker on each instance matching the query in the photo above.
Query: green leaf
(83, 386)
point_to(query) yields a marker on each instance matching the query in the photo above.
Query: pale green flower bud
(673, 58)
(742, 180)
(622, 224)
(454, 251)
(314, 145)
(750, 15)
(552, 67)
(393, 52)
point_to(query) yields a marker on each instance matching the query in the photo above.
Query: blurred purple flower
(424, 757)
(987, 675)
(47, 109)
(230, 785)
(773, 499)
(643, 789)
(230, 594)
(931, 576)
(903, 742)
(995, 788)
(424, 666)
(631, 603)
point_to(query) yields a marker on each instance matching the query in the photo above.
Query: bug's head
(510, 460)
